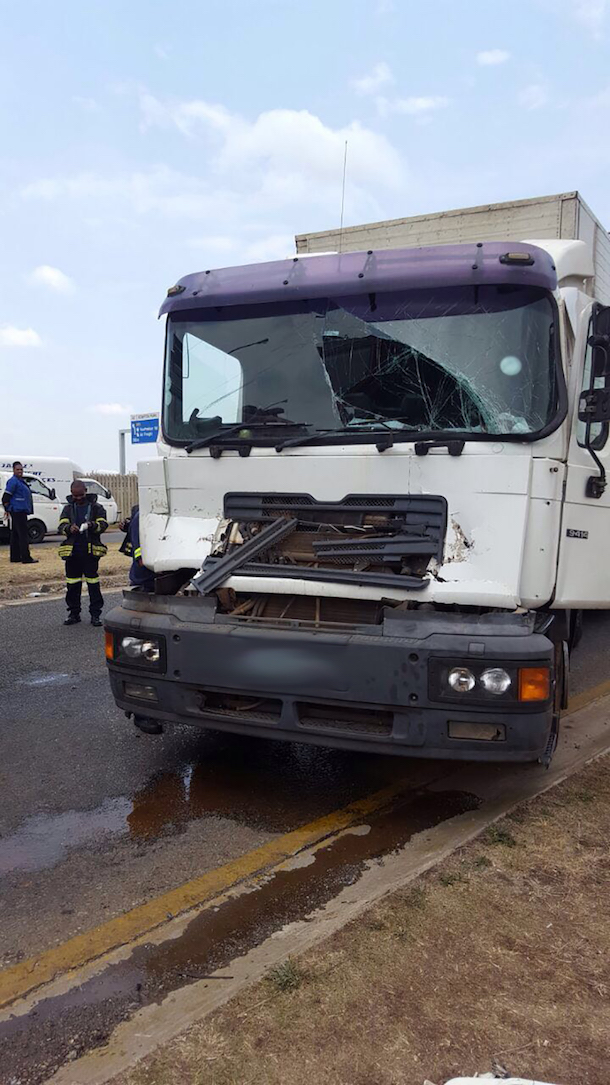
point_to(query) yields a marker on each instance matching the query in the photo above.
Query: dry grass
(19, 580)
(499, 956)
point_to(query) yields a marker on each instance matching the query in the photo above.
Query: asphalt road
(96, 817)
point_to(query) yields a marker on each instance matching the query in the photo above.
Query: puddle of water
(84, 1018)
(270, 786)
(43, 841)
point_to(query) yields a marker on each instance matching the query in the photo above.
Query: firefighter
(140, 578)
(82, 522)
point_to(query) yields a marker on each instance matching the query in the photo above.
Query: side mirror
(600, 346)
(108, 495)
(594, 406)
(52, 494)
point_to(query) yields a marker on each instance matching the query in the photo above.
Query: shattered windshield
(477, 360)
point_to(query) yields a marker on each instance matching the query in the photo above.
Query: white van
(47, 509)
(103, 497)
(59, 473)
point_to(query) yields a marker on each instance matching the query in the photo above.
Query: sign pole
(122, 467)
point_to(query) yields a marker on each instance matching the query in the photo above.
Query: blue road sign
(144, 429)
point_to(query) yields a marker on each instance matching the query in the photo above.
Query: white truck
(379, 505)
(56, 473)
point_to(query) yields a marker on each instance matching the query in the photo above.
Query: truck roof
(474, 263)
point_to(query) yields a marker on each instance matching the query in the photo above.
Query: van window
(95, 488)
(37, 487)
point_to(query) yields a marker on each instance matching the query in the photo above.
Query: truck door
(583, 575)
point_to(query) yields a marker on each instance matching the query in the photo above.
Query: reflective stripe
(73, 579)
(92, 579)
(100, 520)
(137, 552)
(64, 520)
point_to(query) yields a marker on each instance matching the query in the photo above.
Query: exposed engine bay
(386, 540)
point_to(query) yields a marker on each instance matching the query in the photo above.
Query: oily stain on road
(33, 1046)
(258, 788)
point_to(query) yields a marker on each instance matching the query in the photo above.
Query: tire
(576, 626)
(36, 531)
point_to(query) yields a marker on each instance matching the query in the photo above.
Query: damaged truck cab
(379, 503)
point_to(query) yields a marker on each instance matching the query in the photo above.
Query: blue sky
(142, 140)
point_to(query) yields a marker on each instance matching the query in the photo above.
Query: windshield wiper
(255, 420)
(294, 442)
(454, 445)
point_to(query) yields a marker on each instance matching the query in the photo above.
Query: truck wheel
(576, 626)
(148, 726)
(36, 531)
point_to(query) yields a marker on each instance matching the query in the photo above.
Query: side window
(211, 380)
(599, 430)
(95, 488)
(37, 487)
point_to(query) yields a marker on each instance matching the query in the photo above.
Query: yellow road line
(21, 979)
(581, 700)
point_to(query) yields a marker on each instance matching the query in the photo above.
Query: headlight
(496, 680)
(141, 651)
(461, 679)
(135, 648)
(470, 681)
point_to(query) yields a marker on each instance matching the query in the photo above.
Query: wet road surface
(96, 818)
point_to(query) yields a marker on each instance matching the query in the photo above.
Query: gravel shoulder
(495, 959)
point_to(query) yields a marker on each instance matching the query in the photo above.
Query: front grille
(240, 706)
(358, 721)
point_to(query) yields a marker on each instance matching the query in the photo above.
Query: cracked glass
(471, 360)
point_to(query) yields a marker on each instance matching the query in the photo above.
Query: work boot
(72, 619)
(96, 620)
(30, 561)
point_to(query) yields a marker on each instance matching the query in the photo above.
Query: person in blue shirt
(17, 501)
(140, 578)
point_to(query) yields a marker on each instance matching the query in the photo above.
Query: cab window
(37, 486)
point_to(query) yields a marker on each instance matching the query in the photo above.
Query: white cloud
(490, 57)
(19, 337)
(379, 76)
(45, 275)
(281, 161)
(110, 408)
(534, 97)
(89, 105)
(419, 107)
(264, 178)
(591, 13)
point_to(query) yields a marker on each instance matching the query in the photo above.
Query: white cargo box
(565, 217)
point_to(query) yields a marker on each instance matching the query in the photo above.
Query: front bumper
(359, 689)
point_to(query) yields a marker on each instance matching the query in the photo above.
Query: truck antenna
(343, 196)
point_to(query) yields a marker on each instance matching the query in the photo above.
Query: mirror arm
(596, 484)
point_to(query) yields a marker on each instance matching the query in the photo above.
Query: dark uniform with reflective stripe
(140, 577)
(82, 553)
